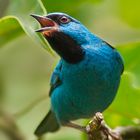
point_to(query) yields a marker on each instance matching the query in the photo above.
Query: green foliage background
(25, 66)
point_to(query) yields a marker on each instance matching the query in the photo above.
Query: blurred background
(26, 62)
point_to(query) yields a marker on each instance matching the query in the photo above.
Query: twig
(97, 129)
(8, 126)
(129, 132)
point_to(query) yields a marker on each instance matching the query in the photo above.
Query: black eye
(64, 19)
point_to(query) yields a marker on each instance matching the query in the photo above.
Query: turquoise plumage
(87, 77)
(87, 87)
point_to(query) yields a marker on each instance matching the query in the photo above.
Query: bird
(87, 76)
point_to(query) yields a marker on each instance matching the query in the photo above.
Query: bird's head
(65, 34)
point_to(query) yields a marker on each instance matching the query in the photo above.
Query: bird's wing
(120, 61)
(49, 123)
(55, 79)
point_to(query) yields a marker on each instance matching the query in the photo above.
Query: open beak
(47, 24)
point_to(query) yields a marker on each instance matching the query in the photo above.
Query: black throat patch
(66, 47)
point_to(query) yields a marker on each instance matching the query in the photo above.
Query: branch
(129, 132)
(97, 129)
(8, 126)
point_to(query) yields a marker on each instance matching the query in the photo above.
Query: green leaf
(23, 20)
(10, 28)
(130, 53)
(129, 11)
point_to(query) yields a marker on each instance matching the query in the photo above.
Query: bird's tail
(48, 124)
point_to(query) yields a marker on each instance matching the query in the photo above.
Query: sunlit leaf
(27, 23)
(131, 55)
(10, 29)
(129, 11)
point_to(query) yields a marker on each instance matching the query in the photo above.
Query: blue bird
(86, 78)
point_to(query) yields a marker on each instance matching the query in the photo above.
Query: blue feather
(89, 86)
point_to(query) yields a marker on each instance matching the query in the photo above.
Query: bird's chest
(92, 72)
(85, 87)
(79, 77)
(86, 81)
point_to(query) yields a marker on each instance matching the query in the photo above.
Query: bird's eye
(64, 19)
